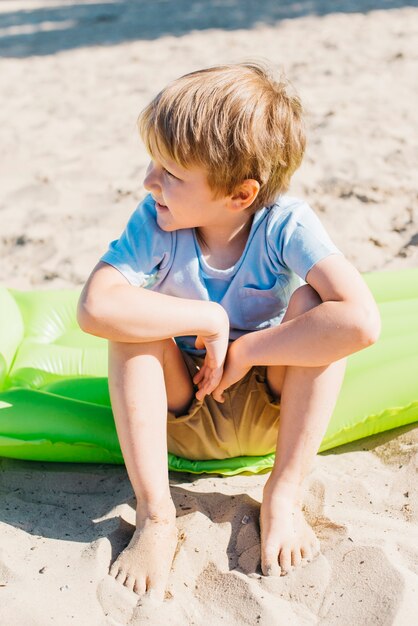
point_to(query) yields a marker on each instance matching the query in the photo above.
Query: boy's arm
(110, 307)
(348, 320)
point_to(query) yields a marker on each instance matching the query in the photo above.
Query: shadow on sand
(48, 29)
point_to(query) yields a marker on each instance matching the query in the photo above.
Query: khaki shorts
(246, 424)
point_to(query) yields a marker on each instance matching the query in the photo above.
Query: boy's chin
(168, 228)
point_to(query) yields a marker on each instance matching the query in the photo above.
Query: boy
(207, 315)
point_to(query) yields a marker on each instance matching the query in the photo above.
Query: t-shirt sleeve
(297, 238)
(143, 251)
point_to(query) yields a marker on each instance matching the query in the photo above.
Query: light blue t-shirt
(285, 241)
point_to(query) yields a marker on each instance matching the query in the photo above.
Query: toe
(306, 553)
(296, 557)
(114, 570)
(130, 582)
(121, 576)
(139, 587)
(270, 564)
(285, 560)
(155, 588)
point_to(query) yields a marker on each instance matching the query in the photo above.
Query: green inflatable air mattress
(54, 399)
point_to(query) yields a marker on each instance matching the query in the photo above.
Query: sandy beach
(73, 77)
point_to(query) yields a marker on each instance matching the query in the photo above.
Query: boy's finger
(217, 394)
(198, 377)
(206, 388)
(203, 391)
(200, 394)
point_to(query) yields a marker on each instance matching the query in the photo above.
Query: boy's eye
(169, 173)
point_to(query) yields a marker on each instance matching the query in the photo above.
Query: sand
(73, 78)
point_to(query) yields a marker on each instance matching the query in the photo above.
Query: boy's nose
(151, 181)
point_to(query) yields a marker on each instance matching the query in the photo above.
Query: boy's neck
(222, 248)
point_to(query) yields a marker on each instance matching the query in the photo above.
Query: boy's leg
(307, 400)
(145, 380)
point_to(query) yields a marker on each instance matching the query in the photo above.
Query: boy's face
(183, 198)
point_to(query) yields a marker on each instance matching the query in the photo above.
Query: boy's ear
(245, 194)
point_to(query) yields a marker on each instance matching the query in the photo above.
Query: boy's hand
(216, 345)
(235, 368)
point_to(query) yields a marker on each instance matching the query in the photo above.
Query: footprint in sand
(232, 597)
(228, 598)
(365, 588)
(117, 601)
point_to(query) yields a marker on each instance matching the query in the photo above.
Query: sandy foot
(144, 565)
(286, 538)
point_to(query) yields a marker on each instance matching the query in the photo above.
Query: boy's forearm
(130, 314)
(326, 333)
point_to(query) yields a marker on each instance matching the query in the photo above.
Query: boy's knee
(128, 349)
(302, 300)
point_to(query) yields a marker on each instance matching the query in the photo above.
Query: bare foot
(286, 538)
(144, 565)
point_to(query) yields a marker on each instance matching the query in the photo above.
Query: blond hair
(234, 120)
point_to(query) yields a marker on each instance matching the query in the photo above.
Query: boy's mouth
(160, 207)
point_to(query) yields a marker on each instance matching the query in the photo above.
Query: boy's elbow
(87, 315)
(369, 326)
(83, 317)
